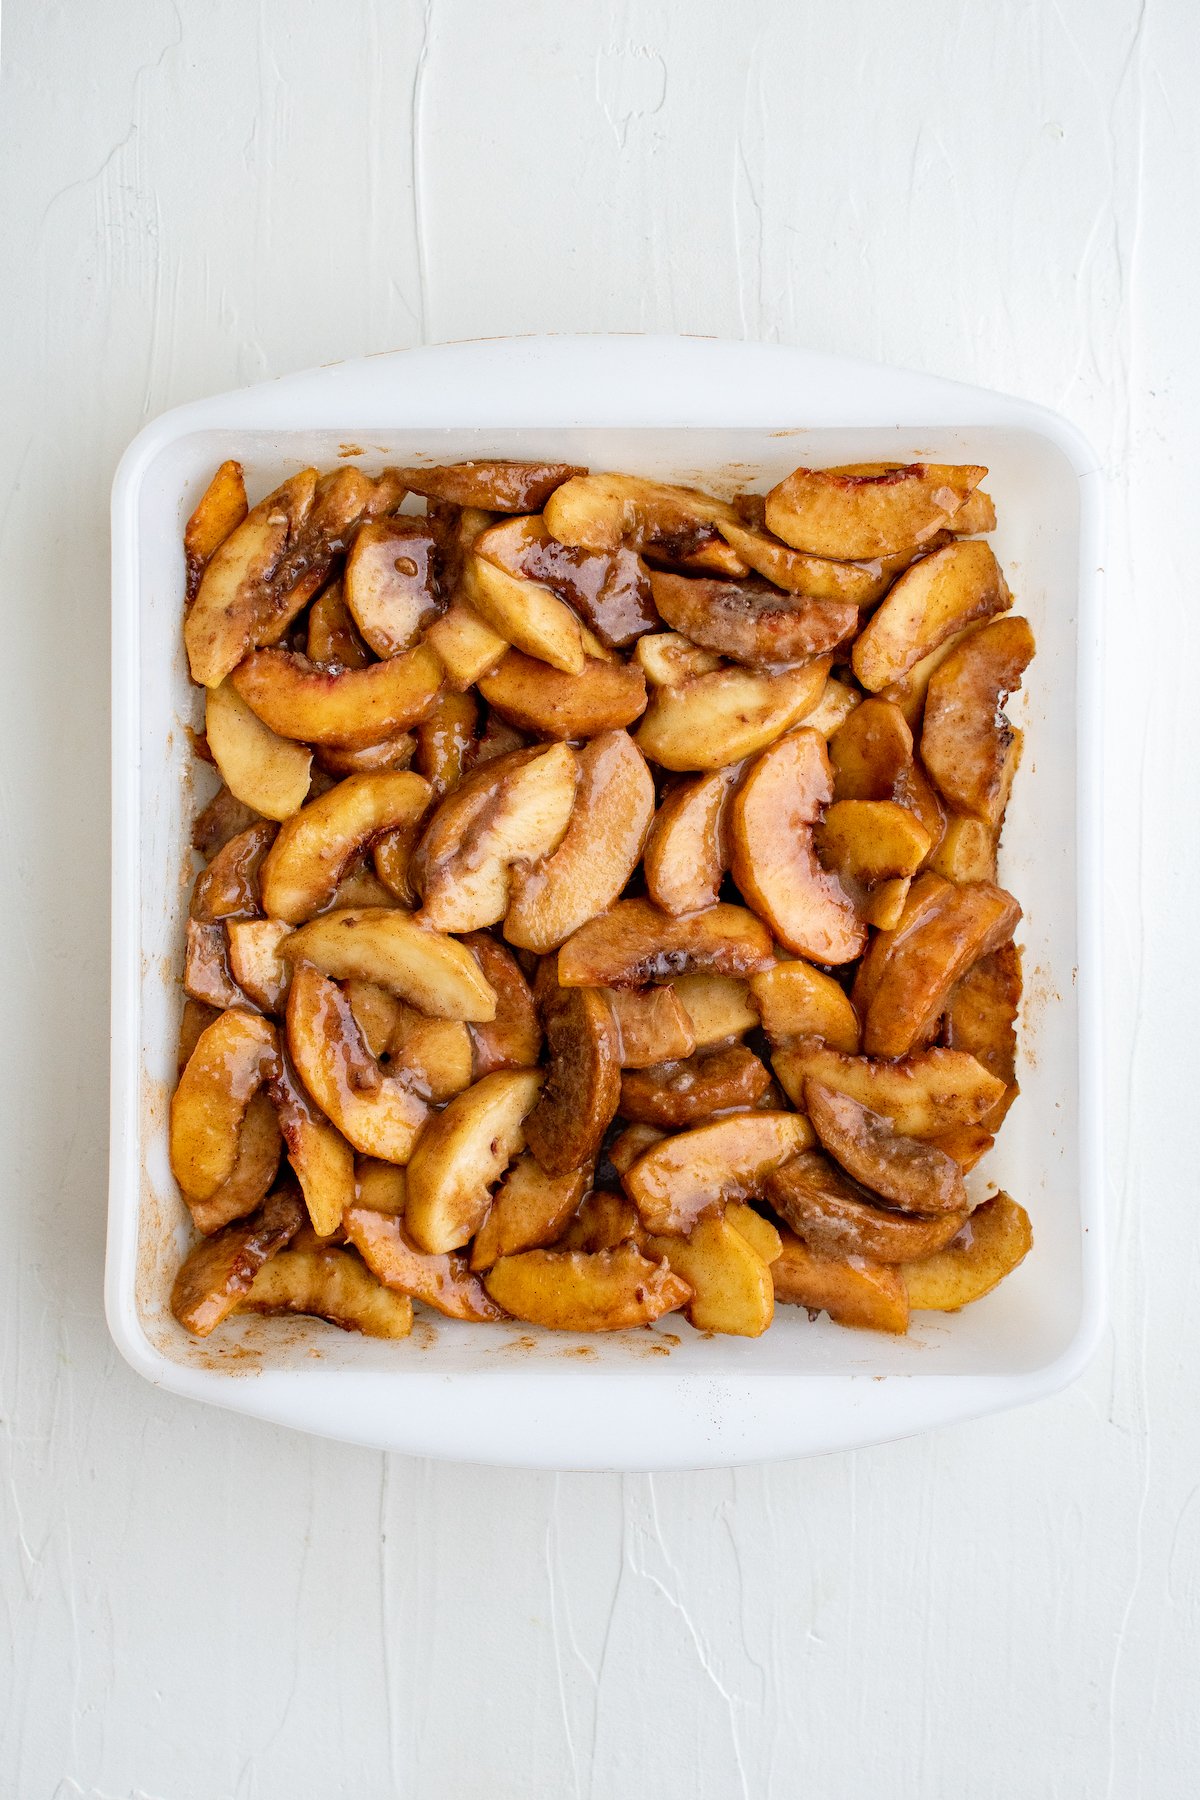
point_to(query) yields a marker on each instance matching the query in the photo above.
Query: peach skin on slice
(684, 1177)
(349, 710)
(967, 743)
(314, 848)
(220, 1271)
(377, 1113)
(836, 1217)
(870, 1296)
(569, 1290)
(633, 943)
(854, 518)
(442, 1281)
(907, 1172)
(219, 511)
(937, 596)
(228, 1066)
(431, 971)
(462, 1153)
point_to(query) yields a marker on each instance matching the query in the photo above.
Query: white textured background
(193, 196)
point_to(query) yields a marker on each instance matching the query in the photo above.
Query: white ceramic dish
(732, 414)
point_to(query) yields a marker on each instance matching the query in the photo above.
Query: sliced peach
(331, 1284)
(602, 512)
(773, 858)
(872, 757)
(603, 1221)
(196, 1017)
(995, 1238)
(870, 1296)
(315, 847)
(923, 1094)
(219, 511)
(905, 1171)
(633, 1142)
(220, 1271)
(442, 1281)
(222, 819)
(231, 1061)
(434, 1056)
(976, 514)
(390, 583)
(837, 1217)
(568, 1290)
(967, 852)
(937, 596)
(633, 943)
(255, 962)
(967, 743)
(687, 851)
(796, 1000)
(906, 976)
(513, 1039)
(856, 517)
(431, 971)
(530, 1210)
(602, 696)
(598, 852)
(391, 857)
(967, 1144)
(229, 887)
(668, 660)
(462, 1153)
(725, 1079)
(206, 973)
(762, 1237)
(360, 886)
(371, 759)
(270, 773)
(505, 487)
(909, 692)
(836, 704)
(651, 1024)
(583, 1080)
(681, 1179)
(609, 589)
(527, 613)
(379, 1186)
(869, 841)
(234, 602)
(750, 620)
(322, 1161)
(379, 1114)
(981, 1014)
(352, 709)
(258, 1152)
(816, 577)
(717, 1006)
(446, 738)
(731, 1285)
(712, 720)
(466, 645)
(693, 554)
(333, 640)
(513, 810)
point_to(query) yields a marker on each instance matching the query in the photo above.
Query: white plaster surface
(201, 194)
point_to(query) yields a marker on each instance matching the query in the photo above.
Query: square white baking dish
(722, 414)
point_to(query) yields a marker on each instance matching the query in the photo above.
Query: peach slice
(232, 600)
(668, 659)
(232, 1059)
(923, 1095)
(258, 1152)
(391, 856)
(712, 720)
(687, 851)
(750, 620)
(446, 739)
(651, 1024)
(633, 1142)
(967, 852)
(255, 962)
(583, 1080)
(431, 971)
(603, 512)
(220, 1270)
(836, 704)
(854, 518)
(906, 1172)
(995, 1238)
(725, 1079)
(530, 1210)
(869, 1296)
(505, 487)
(196, 1017)
(270, 773)
(598, 852)
(967, 743)
(837, 1217)
(442, 1281)
(796, 1000)
(222, 819)
(603, 1221)
(229, 888)
(527, 614)
(513, 810)
(634, 944)
(872, 757)
(869, 841)
(462, 1153)
(904, 980)
(815, 577)
(687, 1176)
(372, 759)
(315, 847)
(718, 1007)
(378, 1114)
(333, 639)
(762, 1237)
(330, 1284)
(774, 862)
(351, 710)
(434, 1056)
(513, 1039)
(390, 583)
(732, 1292)
(981, 1014)
(909, 692)
(219, 511)
(976, 514)
(465, 644)
(711, 556)
(937, 596)
(321, 1159)
(608, 589)
(967, 1144)
(603, 696)
(206, 974)
(568, 1290)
